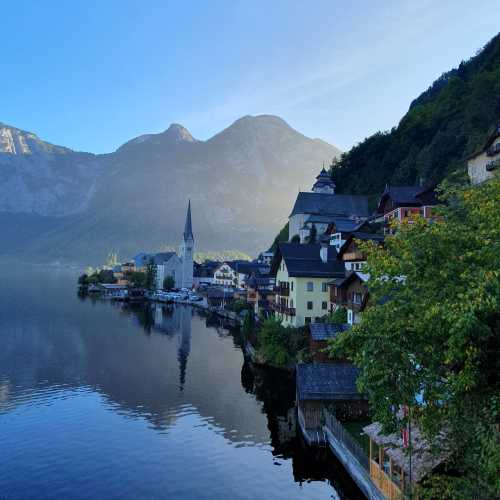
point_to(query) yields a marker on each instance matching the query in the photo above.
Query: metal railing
(340, 432)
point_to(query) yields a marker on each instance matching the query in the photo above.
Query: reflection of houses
(323, 386)
(482, 165)
(302, 275)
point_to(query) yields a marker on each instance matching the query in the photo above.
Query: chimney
(323, 252)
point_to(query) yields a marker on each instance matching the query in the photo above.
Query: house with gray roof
(323, 203)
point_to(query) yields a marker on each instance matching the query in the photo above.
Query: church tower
(187, 249)
(324, 183)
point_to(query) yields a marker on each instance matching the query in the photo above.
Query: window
(349, 316)
(307, 320)
(310, 286)
(358, 298)
(291, 286)
(291, 303)
(324, 286)
(309, 305)
(324, 305)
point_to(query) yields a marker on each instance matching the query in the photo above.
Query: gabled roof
(331, 204)
(325, 331)
(358, 235)
(327, 381)
(363, 277)
(303, 260)
(409, 196)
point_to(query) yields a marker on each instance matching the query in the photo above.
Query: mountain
(444, 125)
(78, 207)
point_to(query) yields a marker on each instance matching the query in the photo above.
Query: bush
(278, 345)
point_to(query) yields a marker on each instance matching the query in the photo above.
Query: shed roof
(327, 381)
(422, 459)
(325, 331)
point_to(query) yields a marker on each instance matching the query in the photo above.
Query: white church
(180, 267)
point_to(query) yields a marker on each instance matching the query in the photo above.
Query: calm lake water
(101, 401)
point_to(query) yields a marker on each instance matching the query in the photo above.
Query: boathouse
(329, 386)
(319, 335)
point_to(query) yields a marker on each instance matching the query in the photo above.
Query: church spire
(188, 229)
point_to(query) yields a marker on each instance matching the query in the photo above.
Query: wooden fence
(340, 432)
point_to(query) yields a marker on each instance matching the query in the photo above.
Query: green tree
(137, 279)
(150, 282)
(337, 317)
(168, 283)
(313, 235)
(430, 338)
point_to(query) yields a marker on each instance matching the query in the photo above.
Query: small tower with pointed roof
(186, 251)
(324, 183)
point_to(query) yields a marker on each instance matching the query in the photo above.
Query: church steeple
(186, 253)
(188, 228)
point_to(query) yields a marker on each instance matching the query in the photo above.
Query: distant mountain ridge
(58, 204)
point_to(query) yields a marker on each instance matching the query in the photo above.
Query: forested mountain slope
(444, 125)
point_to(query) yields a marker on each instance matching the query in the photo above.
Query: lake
(100, 400)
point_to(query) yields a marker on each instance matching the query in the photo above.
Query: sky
(90, 75)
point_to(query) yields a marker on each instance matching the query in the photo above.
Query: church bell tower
(187, 250)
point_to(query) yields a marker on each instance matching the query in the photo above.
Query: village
(313, 286)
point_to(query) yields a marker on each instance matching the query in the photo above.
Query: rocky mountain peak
(178, 133)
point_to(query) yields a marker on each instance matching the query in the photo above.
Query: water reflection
(143, 401)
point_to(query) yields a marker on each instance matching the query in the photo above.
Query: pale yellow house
(481, 165)
(302, 274)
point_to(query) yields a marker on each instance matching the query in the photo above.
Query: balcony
(284, 291)
(281, 309)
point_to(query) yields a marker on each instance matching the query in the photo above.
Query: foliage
(240, 305)
(278, 345)
(443, 126)
(106, 276)
(248, 324)
(295, 239)
(313, 234)
(280, 238)
(150, 282)
(82, 280)
(430, 338)
(168, 283)
(137, 279)
(337, 317)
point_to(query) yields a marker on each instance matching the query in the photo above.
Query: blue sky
(91, 75)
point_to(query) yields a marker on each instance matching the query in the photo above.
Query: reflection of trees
(276, 390)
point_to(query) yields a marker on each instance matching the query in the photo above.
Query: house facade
(302, 275)
(225, 275)
(482, 165)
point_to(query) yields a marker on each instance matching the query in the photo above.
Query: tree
(150, 282)
(337, 317)
(168, 283)
(430, 338)
(313, 234)
(137, 279)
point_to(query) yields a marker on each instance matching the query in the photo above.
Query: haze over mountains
(60, 205)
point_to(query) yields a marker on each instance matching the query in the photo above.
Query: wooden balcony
(284, 291)
(384, 483)
(281, 309)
